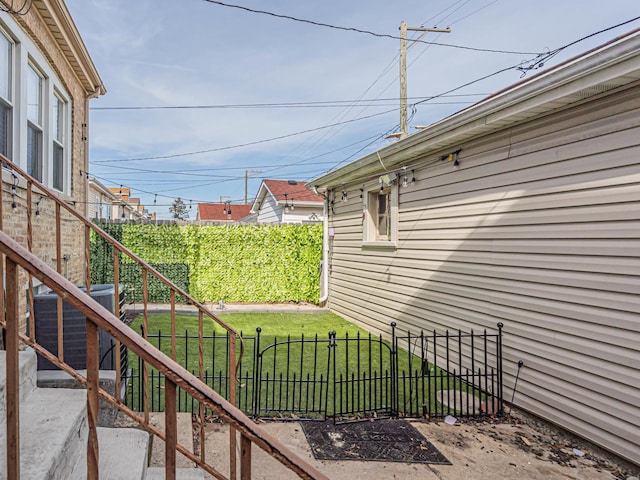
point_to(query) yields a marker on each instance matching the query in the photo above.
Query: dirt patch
(537, 438)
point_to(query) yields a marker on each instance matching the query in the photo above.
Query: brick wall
(15, 221)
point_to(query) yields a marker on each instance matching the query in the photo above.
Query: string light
(14, 205)
(227, 209)
(287, 206)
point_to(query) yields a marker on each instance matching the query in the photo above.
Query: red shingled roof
(215, 211)
(297, 192)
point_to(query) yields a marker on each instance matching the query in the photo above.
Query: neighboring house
(46, 82)
(287, 201)
(126, 207)
(222, 212)
(101, 201)
(522, 209)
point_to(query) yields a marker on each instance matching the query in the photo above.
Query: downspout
(325, 248)
(100, 90)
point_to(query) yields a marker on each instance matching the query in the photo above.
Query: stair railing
(98, 317)
(68, 226)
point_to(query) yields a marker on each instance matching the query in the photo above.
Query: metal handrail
(175, 375)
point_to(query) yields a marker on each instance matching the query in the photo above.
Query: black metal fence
(424, 375)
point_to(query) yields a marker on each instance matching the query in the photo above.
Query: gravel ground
(557, 446)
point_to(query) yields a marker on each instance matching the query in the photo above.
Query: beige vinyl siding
(539, 228)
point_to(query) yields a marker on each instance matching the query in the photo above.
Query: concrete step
(27, 363)
(157, 473)
(53, 434)
(123, 453)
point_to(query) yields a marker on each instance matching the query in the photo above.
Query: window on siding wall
(6, 104)
(34, 123)
(380, 216)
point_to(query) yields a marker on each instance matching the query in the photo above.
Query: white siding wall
(539, 228)
(270, 211)
(302, 214)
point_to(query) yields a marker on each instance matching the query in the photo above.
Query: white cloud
(161, 52)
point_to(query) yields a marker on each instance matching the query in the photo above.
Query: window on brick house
(6, 104)
(58, 135)
(45, 134)
(34, 123)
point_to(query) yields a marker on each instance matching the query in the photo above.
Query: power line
(282, 166)
(367, 32)
(257, 142)
(295, 190)
(553, 53)
(474, 12)
(535, 63)
(318, 104)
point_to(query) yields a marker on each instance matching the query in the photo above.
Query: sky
(202, 94)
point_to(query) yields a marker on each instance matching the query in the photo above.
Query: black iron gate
(411, 375)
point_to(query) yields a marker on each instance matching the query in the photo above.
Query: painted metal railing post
(233, 437)
(256, 373)
(87, 258)
(2, 301)
(201, 409)
(13, 371)
(395, 407)
(499, 368)
(145, 330)
(331, 359)
(245, 458)
(92, 400)
(170, 429)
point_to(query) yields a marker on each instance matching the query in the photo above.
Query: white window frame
(7, 99)
(25, 55)
(59, 134)
(370, 199)
(35, 123)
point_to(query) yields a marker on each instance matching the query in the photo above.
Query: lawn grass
(272, 324)
(292, 375)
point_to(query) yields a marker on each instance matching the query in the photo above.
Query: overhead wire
(549, 55)
(331, 133)
(315, 104)
(367, 32)
(526, 65)
(299, 189)
(257, 142)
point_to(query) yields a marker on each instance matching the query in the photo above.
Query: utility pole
(246, 182)
(403, 72)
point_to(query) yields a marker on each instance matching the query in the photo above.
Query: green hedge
(102, 254)
(131, 278)
(235, 263)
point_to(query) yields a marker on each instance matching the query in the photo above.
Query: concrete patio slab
(485, 450)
